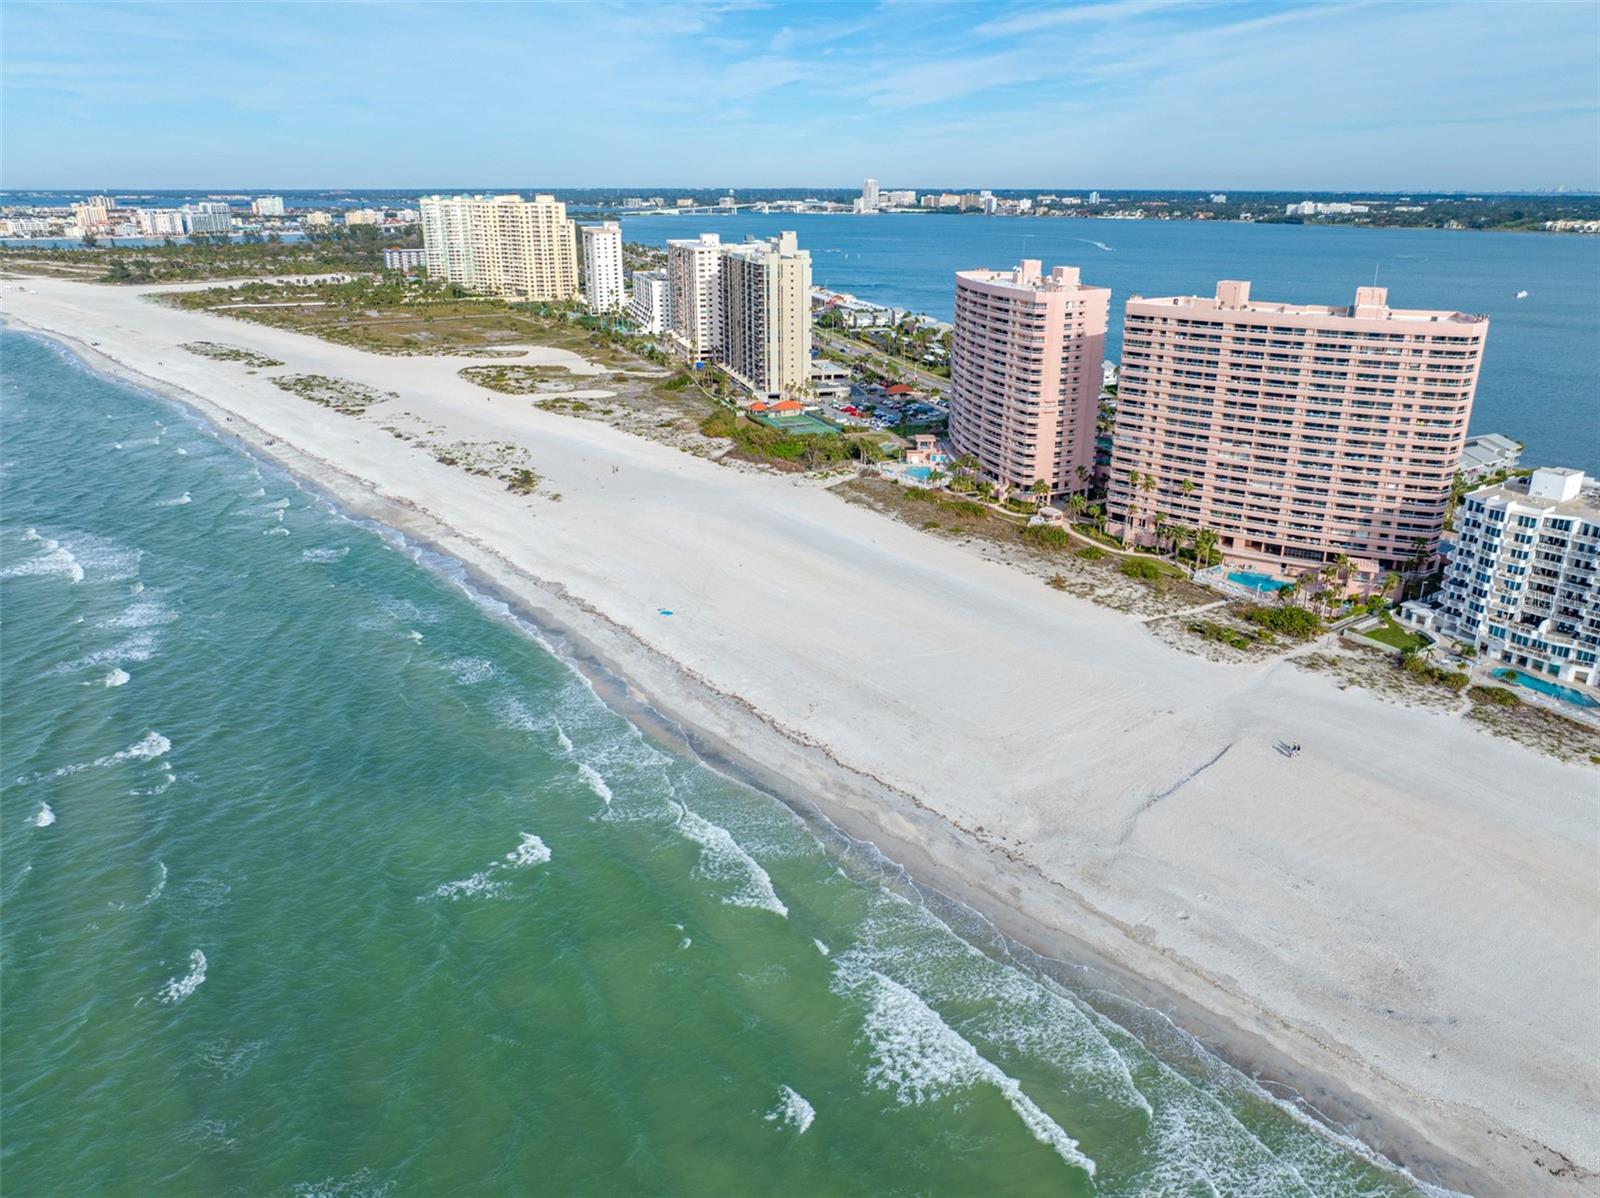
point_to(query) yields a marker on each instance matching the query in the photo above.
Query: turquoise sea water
(321, 875)
(1541, 374)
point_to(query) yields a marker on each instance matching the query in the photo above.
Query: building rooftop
(1493, 441)
(1371, 303)
(1558, 489)
(1029, 275)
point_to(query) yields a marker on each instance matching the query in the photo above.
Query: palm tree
(1041, 492)
(1083, 475)
(1076, 505)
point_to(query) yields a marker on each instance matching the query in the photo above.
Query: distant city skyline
(1132, 94)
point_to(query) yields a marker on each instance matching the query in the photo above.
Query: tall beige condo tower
(1299, 433)
(1025, 373)
(694, 273)
(766, 316)
(504, 245)
(602, 266)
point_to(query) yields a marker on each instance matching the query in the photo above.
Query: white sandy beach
(1404, 920)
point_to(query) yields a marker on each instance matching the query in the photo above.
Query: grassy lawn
(1395, 636)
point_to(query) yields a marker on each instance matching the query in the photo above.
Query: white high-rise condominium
(1523, 585)
(159, 222)
(651, 307)
(869, 195)
(208, 216)
(504, 245)
(267, 206)
(602, 266)
(694, 269)
(766, 316)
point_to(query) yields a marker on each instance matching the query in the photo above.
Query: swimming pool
(920, 473)
(1257, 582)
(1545, 687)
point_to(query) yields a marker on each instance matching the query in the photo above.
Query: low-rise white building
(651, 307)
(408, 260)
(1488, 454)
(1523, 581)
(602, 266)
(363, 216)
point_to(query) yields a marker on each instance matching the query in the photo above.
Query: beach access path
(1402, 921)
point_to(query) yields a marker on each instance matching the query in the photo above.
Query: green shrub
(1495, 696)
(1141, 568)
(1298, 622)
(1046, 536)
(1223, 634)
(1091, 553)
(720, 423)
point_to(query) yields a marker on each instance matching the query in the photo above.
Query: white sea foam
(55, 559)
(147, 748)
(512, 712)
(324, 555)
(178, 989)
(722, 858)
(45, 818)
(139, 647)
(481, 883)
(822, 948)
(531, 851)
(181, 452)
(792, 1111)
(144, 613)
(414, 634)
(117, 677)
(593, 777)
(684, 943)
(920, 1058)
(563, 739)
(469, 671)
(405, 611)
(360, 1184)
(279, 531)
(161, 787)
(486, 883)
(178, 502)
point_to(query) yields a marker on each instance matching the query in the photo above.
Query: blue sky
(1108, 93)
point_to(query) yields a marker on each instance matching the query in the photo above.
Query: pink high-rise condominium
(1025, 374)
(1298, 433)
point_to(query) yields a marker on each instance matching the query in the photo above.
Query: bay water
(323, 874)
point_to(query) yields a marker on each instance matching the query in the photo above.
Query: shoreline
(1336, 1110)
(1010, 891)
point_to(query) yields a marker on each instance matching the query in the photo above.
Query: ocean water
(1541, 370)
(322, 875)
